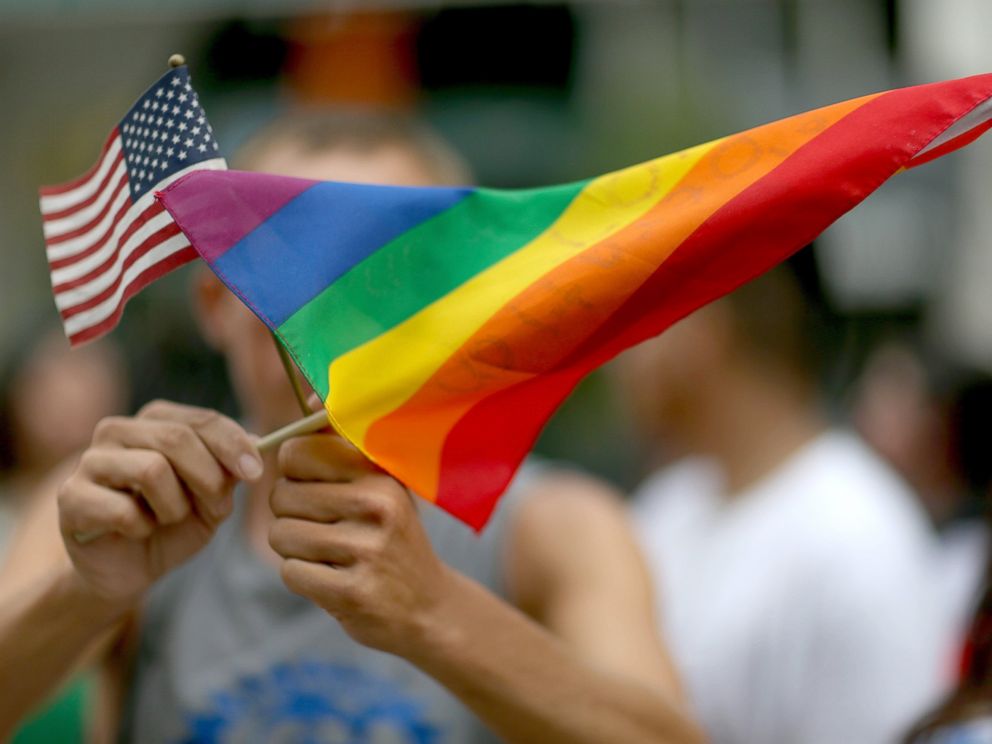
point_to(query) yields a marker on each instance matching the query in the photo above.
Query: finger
(193, 463)
(315, 581)
(89, 508)
(374, 498)
(322, 457)
(144, 472)
(230, 444)
(338, 545)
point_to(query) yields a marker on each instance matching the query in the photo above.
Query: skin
(574, 658)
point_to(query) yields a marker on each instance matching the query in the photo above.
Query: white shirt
(804, 610)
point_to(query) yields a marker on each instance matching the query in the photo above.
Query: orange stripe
(527, 336)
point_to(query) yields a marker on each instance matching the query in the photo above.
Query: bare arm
(155, 486)
(352, 543)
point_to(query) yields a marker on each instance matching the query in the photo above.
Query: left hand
(352, 542)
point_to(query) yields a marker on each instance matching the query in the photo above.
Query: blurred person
(932, 422)
(793, 568)
(51, 397)
(542, 629)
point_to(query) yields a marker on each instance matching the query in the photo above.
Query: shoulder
(568, 528)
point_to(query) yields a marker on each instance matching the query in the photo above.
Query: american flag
(107, 236)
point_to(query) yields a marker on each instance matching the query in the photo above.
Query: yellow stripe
(413, 351)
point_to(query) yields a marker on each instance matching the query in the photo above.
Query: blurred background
(532, 94)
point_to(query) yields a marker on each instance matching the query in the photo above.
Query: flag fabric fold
(443, 326)
(106, 235)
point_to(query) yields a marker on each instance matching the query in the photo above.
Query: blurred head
(760, 335)
(357, 146)
(54, 396)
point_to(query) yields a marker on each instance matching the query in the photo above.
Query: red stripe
(754, 231)
(153, 209)
(155, 239)
(105, 266)
(152, 273)
(83, 229)
(77, 182)
(954, 144)
(104, 185)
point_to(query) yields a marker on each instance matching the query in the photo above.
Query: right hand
(154, 487)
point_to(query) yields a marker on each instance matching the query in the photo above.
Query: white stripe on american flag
(92, 236)
(77, 295)
(105, 309)
(86, 264)
(58, 202)
(75, 220)
(976, 117)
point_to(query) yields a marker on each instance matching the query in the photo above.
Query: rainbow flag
(443, 326)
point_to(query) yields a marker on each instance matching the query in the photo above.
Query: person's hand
(352, 542)
(149, 493)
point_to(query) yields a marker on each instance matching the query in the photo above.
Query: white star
(195, 131)
(189, 113)
(146, 103)
(175, 81)
(183, 98)
(215, 146)
(175, 139)
(169, 151)
(155, 163)
(170, 124)
(182, 126)
(176, 110)
(145, 161)
(134, 115)
(188, 86)
(155, 106)
(141, 174)
(201, 119)
(164, 165)
(159, 121)
(170, 95)
(142, 147)
(188, 142)
(159, 148)
(182, 155)
(202, 147)
(159, 92)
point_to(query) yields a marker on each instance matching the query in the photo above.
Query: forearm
(45, 629)
(527, 686)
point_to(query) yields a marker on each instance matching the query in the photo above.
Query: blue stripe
(319, 235)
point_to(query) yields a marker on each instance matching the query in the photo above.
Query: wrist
(444, 628)
(71, 588)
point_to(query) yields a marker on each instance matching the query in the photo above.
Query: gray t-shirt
(228, 654)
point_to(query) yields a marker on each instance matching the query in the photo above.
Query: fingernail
(250, 466)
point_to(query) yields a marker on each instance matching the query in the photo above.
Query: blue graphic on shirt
(311, 702)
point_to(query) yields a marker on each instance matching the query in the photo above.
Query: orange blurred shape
(365, 58)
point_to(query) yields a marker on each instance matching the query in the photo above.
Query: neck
(753, 424)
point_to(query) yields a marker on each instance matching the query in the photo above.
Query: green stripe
(418, 268)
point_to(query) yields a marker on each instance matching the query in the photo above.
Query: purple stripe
(216, 209)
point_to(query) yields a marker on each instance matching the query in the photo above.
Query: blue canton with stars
(165, 132)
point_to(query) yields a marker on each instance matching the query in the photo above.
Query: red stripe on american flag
(170, 230)
(152, 273)
(83, 229)
(89, 200)
(102, 240)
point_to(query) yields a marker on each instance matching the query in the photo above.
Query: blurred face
(664, 379)
(59, 396)
(253, 362)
